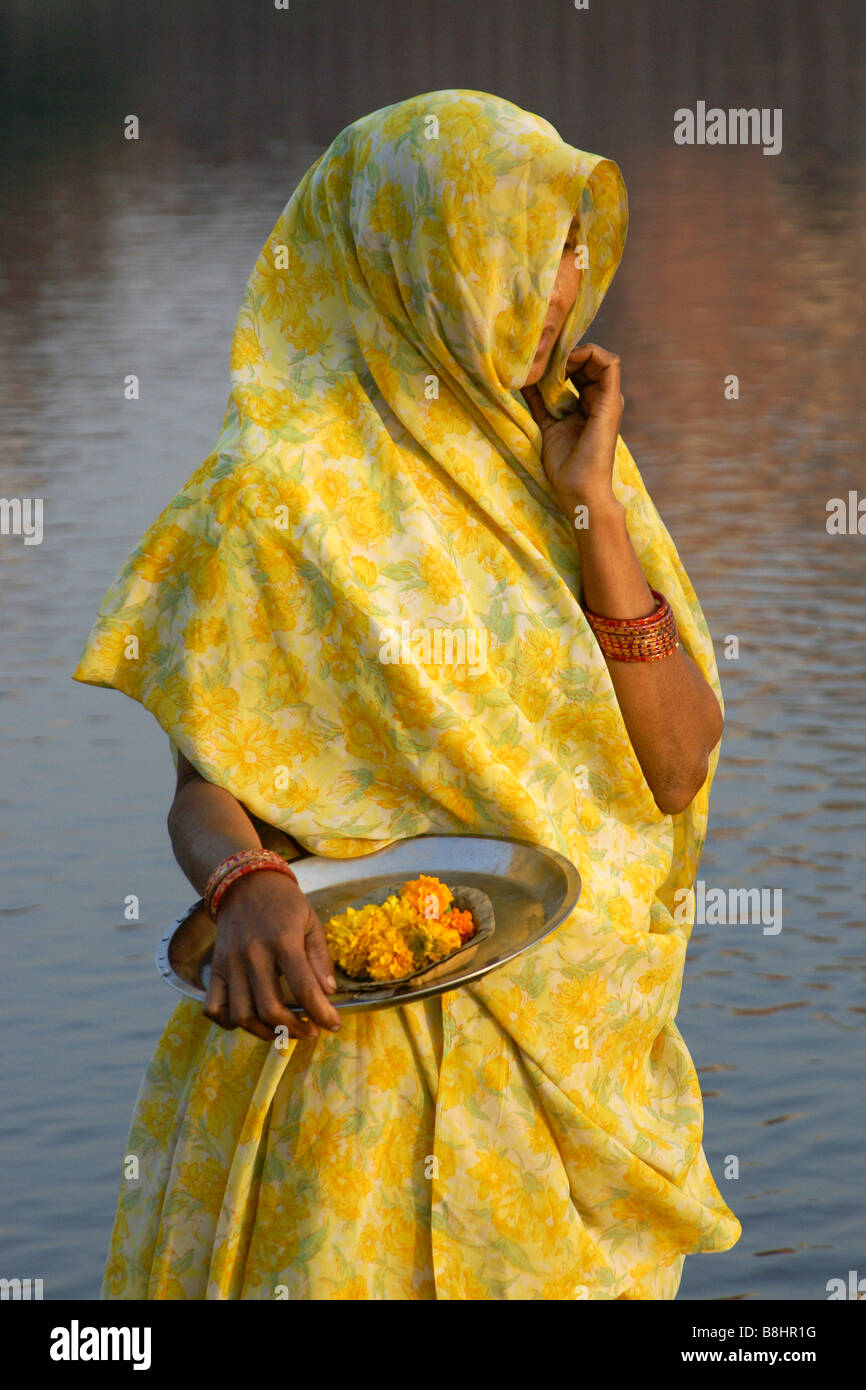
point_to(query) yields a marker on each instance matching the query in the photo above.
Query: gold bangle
(650, 638)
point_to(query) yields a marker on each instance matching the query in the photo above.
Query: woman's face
(563, 296)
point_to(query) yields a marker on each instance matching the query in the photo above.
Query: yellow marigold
(405, 933)
(389, 956)
(431, 941)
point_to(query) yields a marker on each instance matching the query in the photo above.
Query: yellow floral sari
(536, 1135)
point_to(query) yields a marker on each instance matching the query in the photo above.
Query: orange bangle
(225, 868)
(650, 638)
(233, 868)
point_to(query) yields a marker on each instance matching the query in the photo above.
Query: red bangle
(650, 638)
(233, 868)
(224, 868)
(599, 620)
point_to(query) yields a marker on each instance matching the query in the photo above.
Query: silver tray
(532, 889)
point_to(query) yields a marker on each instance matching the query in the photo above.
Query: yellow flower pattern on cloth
(536, 1134)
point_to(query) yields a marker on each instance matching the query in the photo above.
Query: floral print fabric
(538, 1133)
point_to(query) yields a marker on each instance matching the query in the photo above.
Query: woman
(401, 444)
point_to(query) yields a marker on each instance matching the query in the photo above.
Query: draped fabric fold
(361, 615)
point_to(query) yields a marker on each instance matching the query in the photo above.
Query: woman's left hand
(578, 450)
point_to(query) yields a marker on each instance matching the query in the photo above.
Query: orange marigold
(460, 921)
(405, 933)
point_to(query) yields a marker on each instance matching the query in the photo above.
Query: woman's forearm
(671, 713)
(266, 930)
(207, 824)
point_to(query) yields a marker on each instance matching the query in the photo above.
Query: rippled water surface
(121, 259)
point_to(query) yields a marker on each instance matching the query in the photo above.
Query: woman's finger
(270, 1007)
(535, 401)
(592, 359)
(242, 1010)
(306, 990)
(318, 954)
(216, 1003)
(580, 353)
(597, 376)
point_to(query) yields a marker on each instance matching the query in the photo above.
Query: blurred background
(122, 257)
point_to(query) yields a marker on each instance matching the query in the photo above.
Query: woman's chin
(536, 372)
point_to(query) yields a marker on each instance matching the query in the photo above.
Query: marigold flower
(427, 896)
(405, 933)
(462, 922)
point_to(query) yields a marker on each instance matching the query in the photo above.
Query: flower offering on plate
(406, 930)
(529, 888)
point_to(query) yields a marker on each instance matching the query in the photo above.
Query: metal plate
(532, 889)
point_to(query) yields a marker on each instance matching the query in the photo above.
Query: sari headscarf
(377, 478)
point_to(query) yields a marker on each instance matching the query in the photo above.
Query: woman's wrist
(254, 891)
(242, 865)
(591, 509)
(613, 582)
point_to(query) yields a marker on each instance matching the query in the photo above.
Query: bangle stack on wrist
(637, 639)
(233, 868)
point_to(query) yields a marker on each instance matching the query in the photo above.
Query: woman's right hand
(266, 927)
